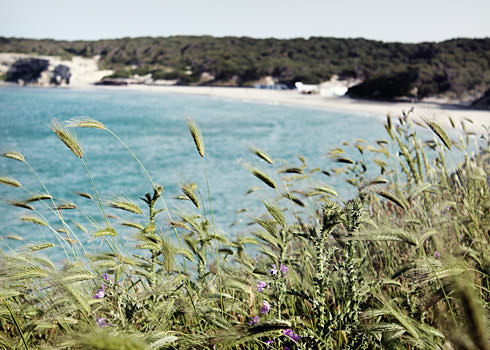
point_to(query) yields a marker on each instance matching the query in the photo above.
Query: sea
(154, 126)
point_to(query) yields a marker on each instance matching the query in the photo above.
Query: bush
(386, 86)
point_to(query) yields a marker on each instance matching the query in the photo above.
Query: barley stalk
(67, 137)
(196, 136)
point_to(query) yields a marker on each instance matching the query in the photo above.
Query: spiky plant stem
(148, 176)
(16, 323)
(100, 205)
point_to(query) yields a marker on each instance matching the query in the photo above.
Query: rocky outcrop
(38, 71)
(27, 70)
(483, 102)
(60, 74)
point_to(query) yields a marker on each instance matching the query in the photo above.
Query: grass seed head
(9, 182)
(67, 137)
(196, 136)
(85, 122)
(439, 132)
(14, 155)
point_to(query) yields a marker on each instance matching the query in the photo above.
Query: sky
(386, 20)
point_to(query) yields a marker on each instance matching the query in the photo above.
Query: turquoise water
(154, 126)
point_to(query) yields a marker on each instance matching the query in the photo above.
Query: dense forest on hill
(455, 68)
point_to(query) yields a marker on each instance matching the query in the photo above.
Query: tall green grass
(405, 264)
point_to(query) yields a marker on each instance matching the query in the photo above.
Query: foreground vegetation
(457, 68)
(403, 265)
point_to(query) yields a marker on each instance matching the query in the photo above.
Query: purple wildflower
(284, 269)
(254, 320)
(273, 269)
(269, 342)
(106, 276)
(290, 333)
(265, 307)
(102, 322)
(436, 255)
(260, 286)
(100, 293)
(285, 348)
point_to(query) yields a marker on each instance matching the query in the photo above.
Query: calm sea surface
(154, 126)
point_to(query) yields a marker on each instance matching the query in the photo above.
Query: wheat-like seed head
(391, 197)
(34, 220)
(196, 136)
(85, 122)
(84, 195)
(439, 132)
(261, 154)
(38, 197)
(22, 205)
(14, 155)
(67, 137)
(188, 190)
(261, 176)
(9, 181)
(123, 203)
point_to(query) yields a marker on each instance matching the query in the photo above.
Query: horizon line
(248, 37)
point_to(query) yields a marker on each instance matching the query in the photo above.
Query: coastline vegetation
(455, 68)
(405, 264)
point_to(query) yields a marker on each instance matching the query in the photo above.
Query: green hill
(455, 68)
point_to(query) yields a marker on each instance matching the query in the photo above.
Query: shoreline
(431, 110)
(438, 111)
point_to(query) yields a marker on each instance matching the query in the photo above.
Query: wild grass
(405, 264)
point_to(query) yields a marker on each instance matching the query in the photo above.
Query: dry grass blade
(123, 203)
(263, 177)
(439, 132)
(391, 197)
(85, 122)
(14, 155)
(262, 155)
(196, 136)
(67, 137)
(9, 182)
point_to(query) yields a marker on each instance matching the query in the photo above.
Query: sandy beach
(438, 111)
(85, 72)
